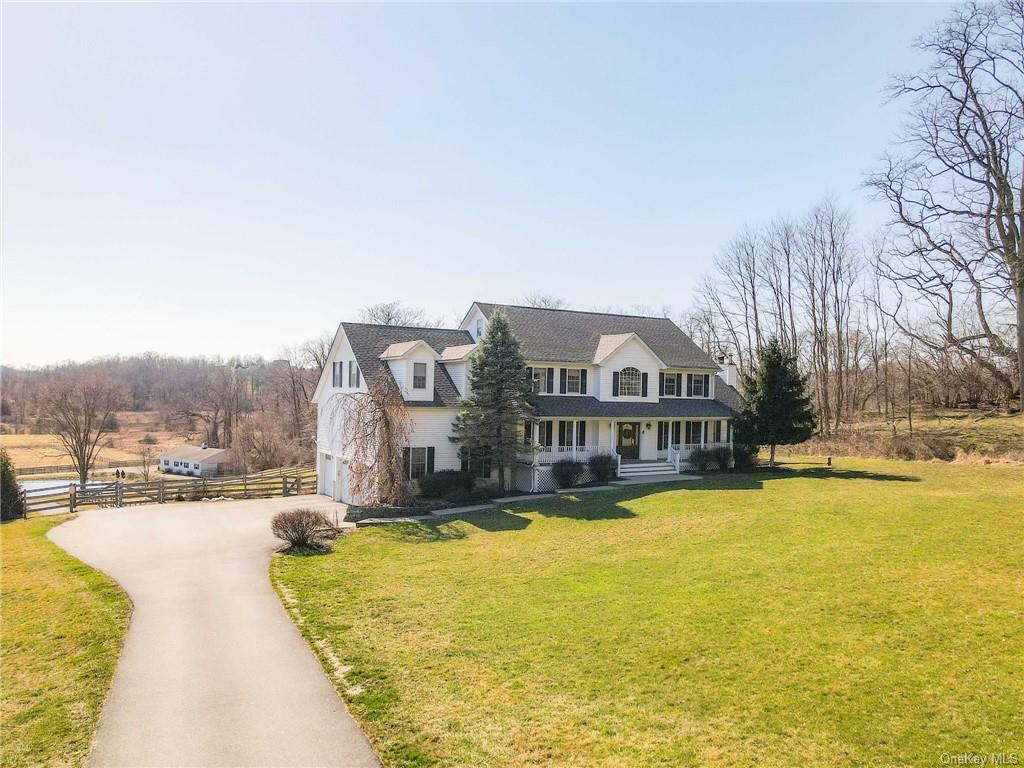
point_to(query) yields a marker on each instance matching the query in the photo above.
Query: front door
(628, 443)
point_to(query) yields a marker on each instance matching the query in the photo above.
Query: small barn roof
(194, 453)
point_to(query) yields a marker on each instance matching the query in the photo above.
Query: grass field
(61, 627)
(871, 614)
(28, 451)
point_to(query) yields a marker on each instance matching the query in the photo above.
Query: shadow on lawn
(610, 505)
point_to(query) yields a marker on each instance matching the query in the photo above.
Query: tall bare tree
(79, 409)
(955, 185)
(393, 313)
(542, 300)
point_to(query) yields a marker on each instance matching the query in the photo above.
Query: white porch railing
(551, 454)
(683, 451)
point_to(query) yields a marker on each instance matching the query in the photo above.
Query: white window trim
(568, 380)
(414, 377)
(638, 381)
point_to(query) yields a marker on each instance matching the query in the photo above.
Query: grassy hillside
(61, 628)
(45, 450)
(949, 435)
(871, 614)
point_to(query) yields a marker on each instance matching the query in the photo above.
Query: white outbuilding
(195, 460)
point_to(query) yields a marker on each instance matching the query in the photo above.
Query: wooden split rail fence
(292, 481)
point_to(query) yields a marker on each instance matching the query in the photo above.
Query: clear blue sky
(203, 179)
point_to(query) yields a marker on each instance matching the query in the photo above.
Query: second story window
(697, 385)
(419, 375)
(670, 386)
(479, 329)
(629, 382)
(353, 373)
(543, 380)
(572, 380)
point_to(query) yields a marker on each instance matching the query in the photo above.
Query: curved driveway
(213, 672)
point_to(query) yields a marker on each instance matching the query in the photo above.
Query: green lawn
(872, 614)
(61, 627)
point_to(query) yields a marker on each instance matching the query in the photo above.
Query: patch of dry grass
(870, 614)
(970, 436)
(27, 451)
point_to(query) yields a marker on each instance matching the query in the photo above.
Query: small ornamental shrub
(744, 457)
(603, 465)
(148, 440)
(459, 496)
(721, 456)
(111, 424)
(567, 472)
(302, 528)
(701, 459)
(437, 485)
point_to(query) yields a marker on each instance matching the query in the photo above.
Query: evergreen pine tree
(12, 503)
(500, 398)
(778, 408)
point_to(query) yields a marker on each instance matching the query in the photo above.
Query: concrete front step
(647, 468)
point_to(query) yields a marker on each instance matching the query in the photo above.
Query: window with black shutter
(583, 381)
(561, 380)
(707, 385)
(661, 384)
(563, 436)
(551, 380)
(689, 387)
(581, 433)
(615, 383)
(527, 432)
(643, 384)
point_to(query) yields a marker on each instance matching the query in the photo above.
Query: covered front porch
(546, 441)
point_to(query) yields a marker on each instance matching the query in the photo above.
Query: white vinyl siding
(630, 355)
(433, 427)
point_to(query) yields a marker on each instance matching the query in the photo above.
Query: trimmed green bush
(567, 472)
(721, 456)
(603, 465)
(437, 485)
(744, 456)
(701, 459)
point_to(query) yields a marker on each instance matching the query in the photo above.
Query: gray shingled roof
(567, 336)
(728, 396)
(666, 408)
(369, 341)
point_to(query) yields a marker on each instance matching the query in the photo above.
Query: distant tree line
(260, 408)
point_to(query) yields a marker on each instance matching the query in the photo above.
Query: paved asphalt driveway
(213, 671)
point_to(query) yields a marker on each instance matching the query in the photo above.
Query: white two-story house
(634, 387)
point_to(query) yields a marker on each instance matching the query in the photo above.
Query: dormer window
(419, 375)
(629, 382)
